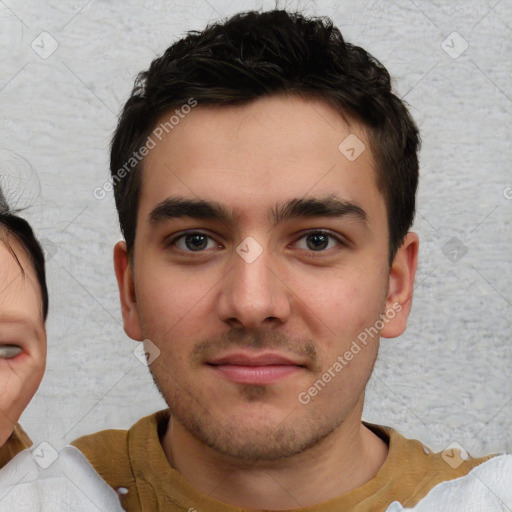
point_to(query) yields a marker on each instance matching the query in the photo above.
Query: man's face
(248, 313)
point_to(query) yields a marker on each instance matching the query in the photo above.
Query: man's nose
(253, 294)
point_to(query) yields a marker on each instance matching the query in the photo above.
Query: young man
(265, 178)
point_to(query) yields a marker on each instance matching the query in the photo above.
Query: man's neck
(351, 456)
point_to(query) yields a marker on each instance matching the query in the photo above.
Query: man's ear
(127, 296)
(401, 286)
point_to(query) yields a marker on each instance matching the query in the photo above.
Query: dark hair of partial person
(12, 224)
(256, 54)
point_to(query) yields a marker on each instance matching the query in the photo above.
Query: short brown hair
(255, 54)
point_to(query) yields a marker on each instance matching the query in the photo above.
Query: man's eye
(193, 242)
(318, 241)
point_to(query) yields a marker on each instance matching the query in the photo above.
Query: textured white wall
(448, 378)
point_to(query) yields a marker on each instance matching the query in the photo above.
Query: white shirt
(486, 488)
(45, 480)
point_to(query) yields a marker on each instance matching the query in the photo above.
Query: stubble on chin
(243, 443)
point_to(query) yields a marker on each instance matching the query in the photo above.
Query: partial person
(23, 312)
(41, 479)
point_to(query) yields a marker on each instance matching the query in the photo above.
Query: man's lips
(246, 368)
(251, 359)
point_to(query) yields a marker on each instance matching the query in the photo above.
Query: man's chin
(255, 432)
(256, 444)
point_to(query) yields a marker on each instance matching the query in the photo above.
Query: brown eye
(318, 241)
(193, 241)
(196, 242)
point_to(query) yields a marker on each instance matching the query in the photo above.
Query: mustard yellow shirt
(134, 460)
(17, 442)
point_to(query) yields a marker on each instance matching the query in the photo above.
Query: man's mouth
(256, 369)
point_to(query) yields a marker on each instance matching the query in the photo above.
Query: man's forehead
(271, 170)
(279, 121)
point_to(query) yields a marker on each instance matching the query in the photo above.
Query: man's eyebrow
(330, 206)
(306, 207)
(175, 207)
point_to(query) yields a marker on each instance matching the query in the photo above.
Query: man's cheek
(335, 383)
